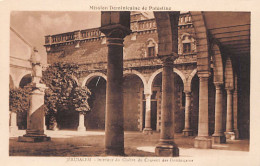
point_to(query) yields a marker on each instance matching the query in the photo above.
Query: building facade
(142, 87)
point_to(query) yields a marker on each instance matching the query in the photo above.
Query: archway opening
(195, 103)
(95, 118)
(133, 99)
(156, 102)
(67, 117)
(25, 81)
(211, 105)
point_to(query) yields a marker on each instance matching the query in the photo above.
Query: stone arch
(229, 77)
(11, 82)
(189, 80)
(138, 74)
(95, 117)
(167, 29)
(217, 64)
(27, 78)
(18, 80)
(151, 79)
(203, 60)
(90, 76)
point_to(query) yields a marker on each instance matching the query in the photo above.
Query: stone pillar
(229, 123)
(81, 126)
(218, 136)
(44, 123)
(187, 128)
(13, 126)
(148, 129)
(235, 114)
(203, 140)
(166, 146)
(35, 115)
(115, 25)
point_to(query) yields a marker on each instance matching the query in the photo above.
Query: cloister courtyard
(91, 143)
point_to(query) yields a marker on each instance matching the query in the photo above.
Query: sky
(34, 25)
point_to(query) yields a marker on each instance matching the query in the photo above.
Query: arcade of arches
(211, 79)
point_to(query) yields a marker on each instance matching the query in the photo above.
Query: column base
(33, 138)
(187, 132)
(55, 128)
(218, 139)
(148, 131)
(115, 152)
(230, 135)
(13, 129)
(81, 128)
(203, 142)
(236, 134)
(167, 149)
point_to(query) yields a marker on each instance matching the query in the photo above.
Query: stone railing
(143, 25)
(72, 36)
(136, 26)
(184, 19)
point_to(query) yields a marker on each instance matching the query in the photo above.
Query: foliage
(63, 93)
(19, 99)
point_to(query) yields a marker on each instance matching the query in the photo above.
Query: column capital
(115, 31)
(229, 90)
(204, 78)
(187, 93)
(148, 95)
(218, 85)
(168, 59)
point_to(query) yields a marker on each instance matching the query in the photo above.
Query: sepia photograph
(129, 83)
(120, 84)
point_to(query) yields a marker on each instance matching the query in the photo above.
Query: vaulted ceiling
(231, 30)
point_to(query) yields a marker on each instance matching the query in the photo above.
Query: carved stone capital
(187, 93)
(168, 59)
(229, 90)
(148, 96)
(115, 31)
(218, 85)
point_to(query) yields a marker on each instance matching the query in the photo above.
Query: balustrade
(143, 25)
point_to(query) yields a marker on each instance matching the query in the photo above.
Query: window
(186, 47)
(151, 48)
(151, 51)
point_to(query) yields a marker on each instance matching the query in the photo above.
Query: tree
(19, 99)
(63, 93)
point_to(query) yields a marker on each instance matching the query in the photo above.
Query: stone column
(35, 115)
(218, 136)
(13, 126)
(203, 140)
(112, 25)
(229, 123)
(166, 146)
(235, 114)
(187, 128)
(81, 126)
(148, 129)
(44, 123)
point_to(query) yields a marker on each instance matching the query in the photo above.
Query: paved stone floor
(91, 143)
